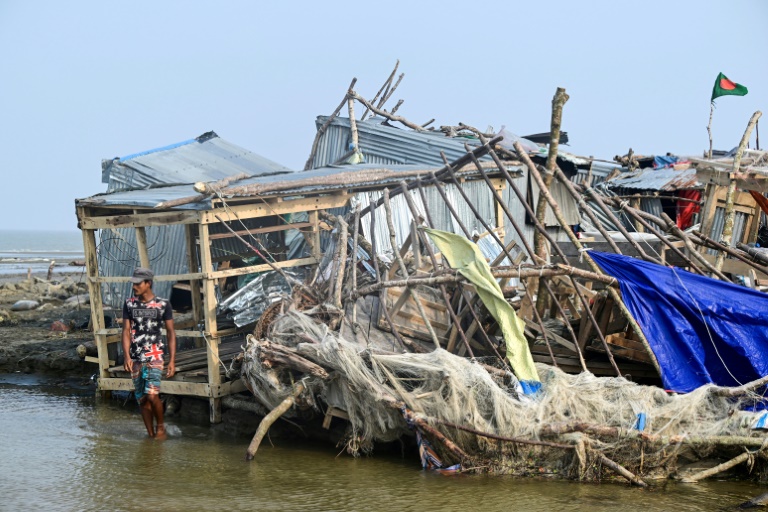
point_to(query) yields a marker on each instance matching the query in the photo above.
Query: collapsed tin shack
(406, 297)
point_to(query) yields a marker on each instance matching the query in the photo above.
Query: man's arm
(128, 363)
(170, 332)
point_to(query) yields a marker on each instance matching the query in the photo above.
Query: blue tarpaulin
(701, 330)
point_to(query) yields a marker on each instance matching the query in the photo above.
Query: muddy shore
(44, 339)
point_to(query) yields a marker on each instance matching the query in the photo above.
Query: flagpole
(709, 128)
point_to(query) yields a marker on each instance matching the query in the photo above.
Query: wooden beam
(140, 219)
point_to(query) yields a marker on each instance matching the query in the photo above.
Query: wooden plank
(269, 229)
(91, 359)
(171, 387)
(260, 268)
(266, 208)
(140, 219)
(551, 335)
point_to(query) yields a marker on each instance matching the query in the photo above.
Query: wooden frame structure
(202, 277)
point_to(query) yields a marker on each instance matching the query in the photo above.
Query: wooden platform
(191, 373)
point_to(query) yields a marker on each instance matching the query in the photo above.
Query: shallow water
(62, 449)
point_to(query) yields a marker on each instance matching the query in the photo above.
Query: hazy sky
(82, 81)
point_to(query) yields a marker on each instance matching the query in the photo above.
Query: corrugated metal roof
(667, 180)
(205, 158)
(383, 144)
(312, 179)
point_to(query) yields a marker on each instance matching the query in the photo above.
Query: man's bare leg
(145, 406)
(157, 412)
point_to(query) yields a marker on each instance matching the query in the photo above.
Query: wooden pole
(729, 197)
(614, 294)
(709, 128)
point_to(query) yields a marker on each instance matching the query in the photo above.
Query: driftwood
(272, 354)
(744, 457)
(620, 470)
(270, 418)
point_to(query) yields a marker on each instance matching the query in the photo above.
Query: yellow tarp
(466, 257)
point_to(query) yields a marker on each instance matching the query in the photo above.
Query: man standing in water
(143, 345)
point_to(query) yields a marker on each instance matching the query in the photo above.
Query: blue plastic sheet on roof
(660, 162)
(701, 330)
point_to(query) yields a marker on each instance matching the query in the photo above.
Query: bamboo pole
(633, 212)
(671, 226)
(386, 84)
(731, 192)
(619, 225)
(325, 126)
(586, 209)
(448, 277)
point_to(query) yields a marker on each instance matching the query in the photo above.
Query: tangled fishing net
(446, 390)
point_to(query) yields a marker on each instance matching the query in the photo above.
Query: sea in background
(21, 250)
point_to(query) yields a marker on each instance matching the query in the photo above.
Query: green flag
(724, 87)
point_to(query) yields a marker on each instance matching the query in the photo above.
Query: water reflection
(63, 450)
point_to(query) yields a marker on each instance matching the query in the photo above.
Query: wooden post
(193, 265)
(94, 290)
(729, 210)
(539, 242)
(141, 244)
(211, 328)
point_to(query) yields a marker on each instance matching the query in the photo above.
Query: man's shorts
(146, 378)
